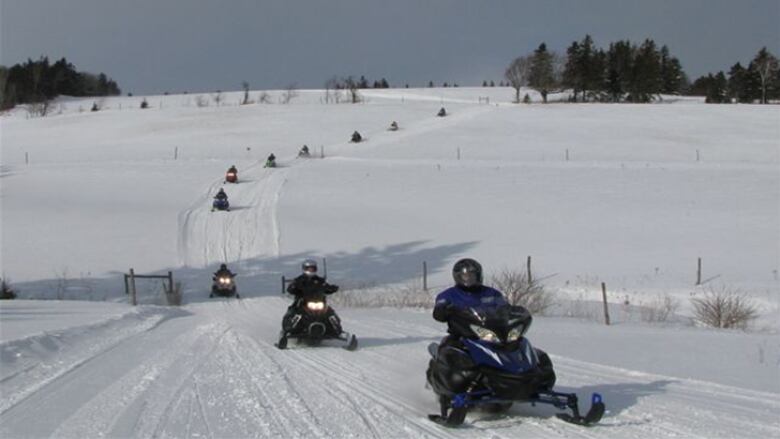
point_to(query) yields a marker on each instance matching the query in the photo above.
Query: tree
(765, 65)
(518, 73)
(672, 75)
(717, 89)
(484, 83)
(739, 84)
(290, 92)
(363, 82)
(245, 86)
(646, 73)
(352, 87)
(542, 74)
(430, 84)
(619, 65)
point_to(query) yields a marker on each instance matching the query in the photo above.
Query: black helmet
(223, 267)
(467, 273)
(309, 266)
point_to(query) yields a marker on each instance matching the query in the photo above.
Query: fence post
(127, 287)
(606, 308)
(283, 284)
(458, 153)
(322, 152)
(133, 298)
(567, 154)
(26, 158)
(325, 267)
(176, 153)
(425, 276)
(170, 282)
(698, 273)
(697, 155)
(528, 270)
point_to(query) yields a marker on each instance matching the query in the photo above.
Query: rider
(394, 125)
(356, 137)
(223, 271)
(468, 292)
(233, 170)
(442, 112)
(306, 284)
(221, 195)
(304, 151)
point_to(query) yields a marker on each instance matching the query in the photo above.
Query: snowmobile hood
(518, 360)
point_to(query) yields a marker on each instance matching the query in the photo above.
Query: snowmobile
(442, 112)
(492, 365)
(314, 322)
(393, 126)
(224, 285)
(220, 204)
(231, 177)
(304, 154)
(270, 163)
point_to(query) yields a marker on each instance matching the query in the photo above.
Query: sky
(155, 46)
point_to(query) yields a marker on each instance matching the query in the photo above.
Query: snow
(632, 207)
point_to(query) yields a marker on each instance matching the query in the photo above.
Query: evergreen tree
(672, 75)
(717, 89)
(484, 83)
(646, 73)
(363, 83)
(739, 85)
(541, 77)
(619, 65)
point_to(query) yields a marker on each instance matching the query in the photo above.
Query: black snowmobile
(492, 365)
(313, 322)
(224, 285)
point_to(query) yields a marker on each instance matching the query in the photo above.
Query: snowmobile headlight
(515, 333)
(485, 334)
(224, 280)
(315, 306)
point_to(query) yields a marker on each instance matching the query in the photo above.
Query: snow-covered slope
(627, 194)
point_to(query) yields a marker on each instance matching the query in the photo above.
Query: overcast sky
(151, 46)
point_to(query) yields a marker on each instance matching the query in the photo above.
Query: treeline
(623, 72)
(759, 82)
(626, 72)
(40, 81)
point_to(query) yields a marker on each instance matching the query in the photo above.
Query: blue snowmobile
(492, 365)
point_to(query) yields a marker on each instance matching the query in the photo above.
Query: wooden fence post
(325, 267)
(133, 298)
(528, 270)
(567, 154)
(698, 273)
(170, 282)
(176, 153)
(606, 308)
(26, 158)
(322, 152)
(425, 276)
(283, 285)
(458, 153)
(127, 286)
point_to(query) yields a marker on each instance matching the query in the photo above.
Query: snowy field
(645, 191)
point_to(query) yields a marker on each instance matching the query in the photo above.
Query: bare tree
(332, 93)
(217, 97)
(766, 66)
(264, 97)
(245, 86)
(290, 92)
(201, 101)
(517, 74)
(353, 87)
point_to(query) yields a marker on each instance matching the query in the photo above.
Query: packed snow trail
(249, 229)
(210, 370)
